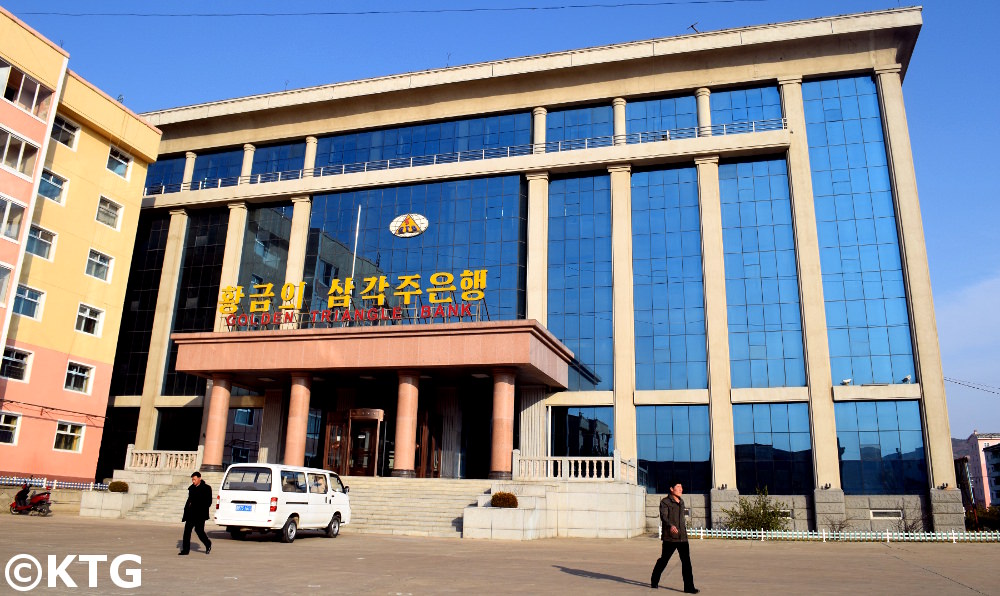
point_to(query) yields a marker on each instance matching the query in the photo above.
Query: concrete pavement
(378, 564)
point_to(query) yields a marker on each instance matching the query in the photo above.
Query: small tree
(757, 513)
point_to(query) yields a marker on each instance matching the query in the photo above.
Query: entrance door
(428, 453)
(335, 451)
(363, 447)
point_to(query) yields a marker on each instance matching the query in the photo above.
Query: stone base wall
(63, 500)
(142, 486)
(915, 513)
(831, 513)
(947, 512)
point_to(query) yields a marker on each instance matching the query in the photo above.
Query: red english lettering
(289, 316)
(466, 309)
(452, 310)
(439, 311)
(425, 311)
(325, 316)
(397, 312)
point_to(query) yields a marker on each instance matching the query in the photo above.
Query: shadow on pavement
(605, 576)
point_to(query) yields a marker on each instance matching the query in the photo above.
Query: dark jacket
(672, 514)
(199, 502)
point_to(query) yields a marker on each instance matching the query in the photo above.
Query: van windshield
(248, 479)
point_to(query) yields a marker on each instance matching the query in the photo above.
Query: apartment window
(51, 186)
(108, 212)
(8, 427)
(99, 265)
(89, 319)
(64, 132)
(69, 437)
(11, 216)
(118, 162)
(40, 242)
(17, 154)
(4, 281)
(25, 92)
(28, 302)
(15, 364)
(78, 377)
(244, 416)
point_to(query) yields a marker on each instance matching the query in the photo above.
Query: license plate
(244, 507)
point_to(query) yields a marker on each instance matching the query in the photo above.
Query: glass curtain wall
(762, 287)
(165, 175)
(678, 115)
(583, 432)
(773, 448)
(866, 310)
(674, 446)
(881, 446)
(670, 350)
(276, 162)
(580, 295)
(265, 248)
(577, 124)
(221, 168)
(737, 108)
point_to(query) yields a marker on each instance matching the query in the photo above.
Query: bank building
(697, 257)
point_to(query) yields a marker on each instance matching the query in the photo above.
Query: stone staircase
(168, 504)
(411, 506)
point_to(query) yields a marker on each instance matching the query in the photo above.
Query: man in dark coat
(675, 538)
(196, 511)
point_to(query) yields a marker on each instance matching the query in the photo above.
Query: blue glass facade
(655, 115)
(762, 287)
(583, 432)
(881, 446)
(580, 296)
(866, 311)
(470, 134)
(265, 248)
(773, 448)
(473, 224)
(668, 288)
(165, 175)
(674, 446)
(744, 105)
(217, 169)
(579, 123)
(270, 161)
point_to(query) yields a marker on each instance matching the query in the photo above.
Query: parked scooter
(38, 502)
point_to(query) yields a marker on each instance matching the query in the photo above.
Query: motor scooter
(38, 502)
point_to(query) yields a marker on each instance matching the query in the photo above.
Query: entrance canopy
(258, 358)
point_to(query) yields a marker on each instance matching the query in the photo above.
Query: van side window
(248, 479)
(293, 482)
(336, 484)
(317, 483)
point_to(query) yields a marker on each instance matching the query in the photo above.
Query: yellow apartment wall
(81, 101)
(30, 52)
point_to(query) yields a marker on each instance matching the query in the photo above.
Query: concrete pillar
(926, 350)
(538, 124)
(406, 424)
(233, 252)
(247, 166)
(163, 320)
(301, 211)
(624, 326)
(503, 424)
(215, 428)
(310, 158)
(619, 111)
(537, 303)
(704, 112)
(826, 464)
(534, 435)
(298, 421)
(189, 158)
(716, 326)
(271, 427)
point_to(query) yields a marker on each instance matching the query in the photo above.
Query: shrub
(504, 500)
(757, 513)
(117, 486)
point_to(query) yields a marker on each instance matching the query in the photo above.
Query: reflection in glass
(878, 457)
(773, 448)
(674, 446)
(583, 432)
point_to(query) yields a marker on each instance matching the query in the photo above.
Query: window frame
(110, 265)
(39, 87)
(119, 213)
(51, 243)
(9, 202)
(127, 161)
(40, 303)
(5, 145)
(5, 285)
(17, 426)
(98, 326)
(63, 188)
(79, 446)
(75, 133)
(27, 364)
(236, 417)
(90, 377)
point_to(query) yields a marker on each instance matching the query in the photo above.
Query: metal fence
(53, 484)
(887, 536)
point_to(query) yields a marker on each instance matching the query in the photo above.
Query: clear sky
(162, 62)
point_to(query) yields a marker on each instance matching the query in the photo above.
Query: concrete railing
(583, 469)
(152, 461)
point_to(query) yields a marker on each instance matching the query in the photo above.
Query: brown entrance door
(335, 449)
(428, 453)
(364, 444)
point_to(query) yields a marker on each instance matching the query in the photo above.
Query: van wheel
(333, 529)
(289, 530)
(237, 534)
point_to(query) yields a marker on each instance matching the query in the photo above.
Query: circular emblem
(408, 225)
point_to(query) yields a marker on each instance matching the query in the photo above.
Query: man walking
(199, 503)
(674, 538)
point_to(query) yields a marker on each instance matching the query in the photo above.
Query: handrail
(143, 460)
(476, 155)
(574, 469)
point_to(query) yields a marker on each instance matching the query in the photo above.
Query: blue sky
(949, 91)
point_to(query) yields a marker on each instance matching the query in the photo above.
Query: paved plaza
(376, 564)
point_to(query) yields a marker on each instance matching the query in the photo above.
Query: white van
(273, 497)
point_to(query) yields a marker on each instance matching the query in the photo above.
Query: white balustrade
(143, 460)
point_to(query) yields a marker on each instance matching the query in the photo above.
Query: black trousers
(198, 525)
(668, 550)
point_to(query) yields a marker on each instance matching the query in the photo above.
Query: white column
(624, 326)
(247, 166)
(704, 112)
(619, 111)
(189, 158)
(310, 158)
(538, 247)
(538, 130)
(233, 252)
